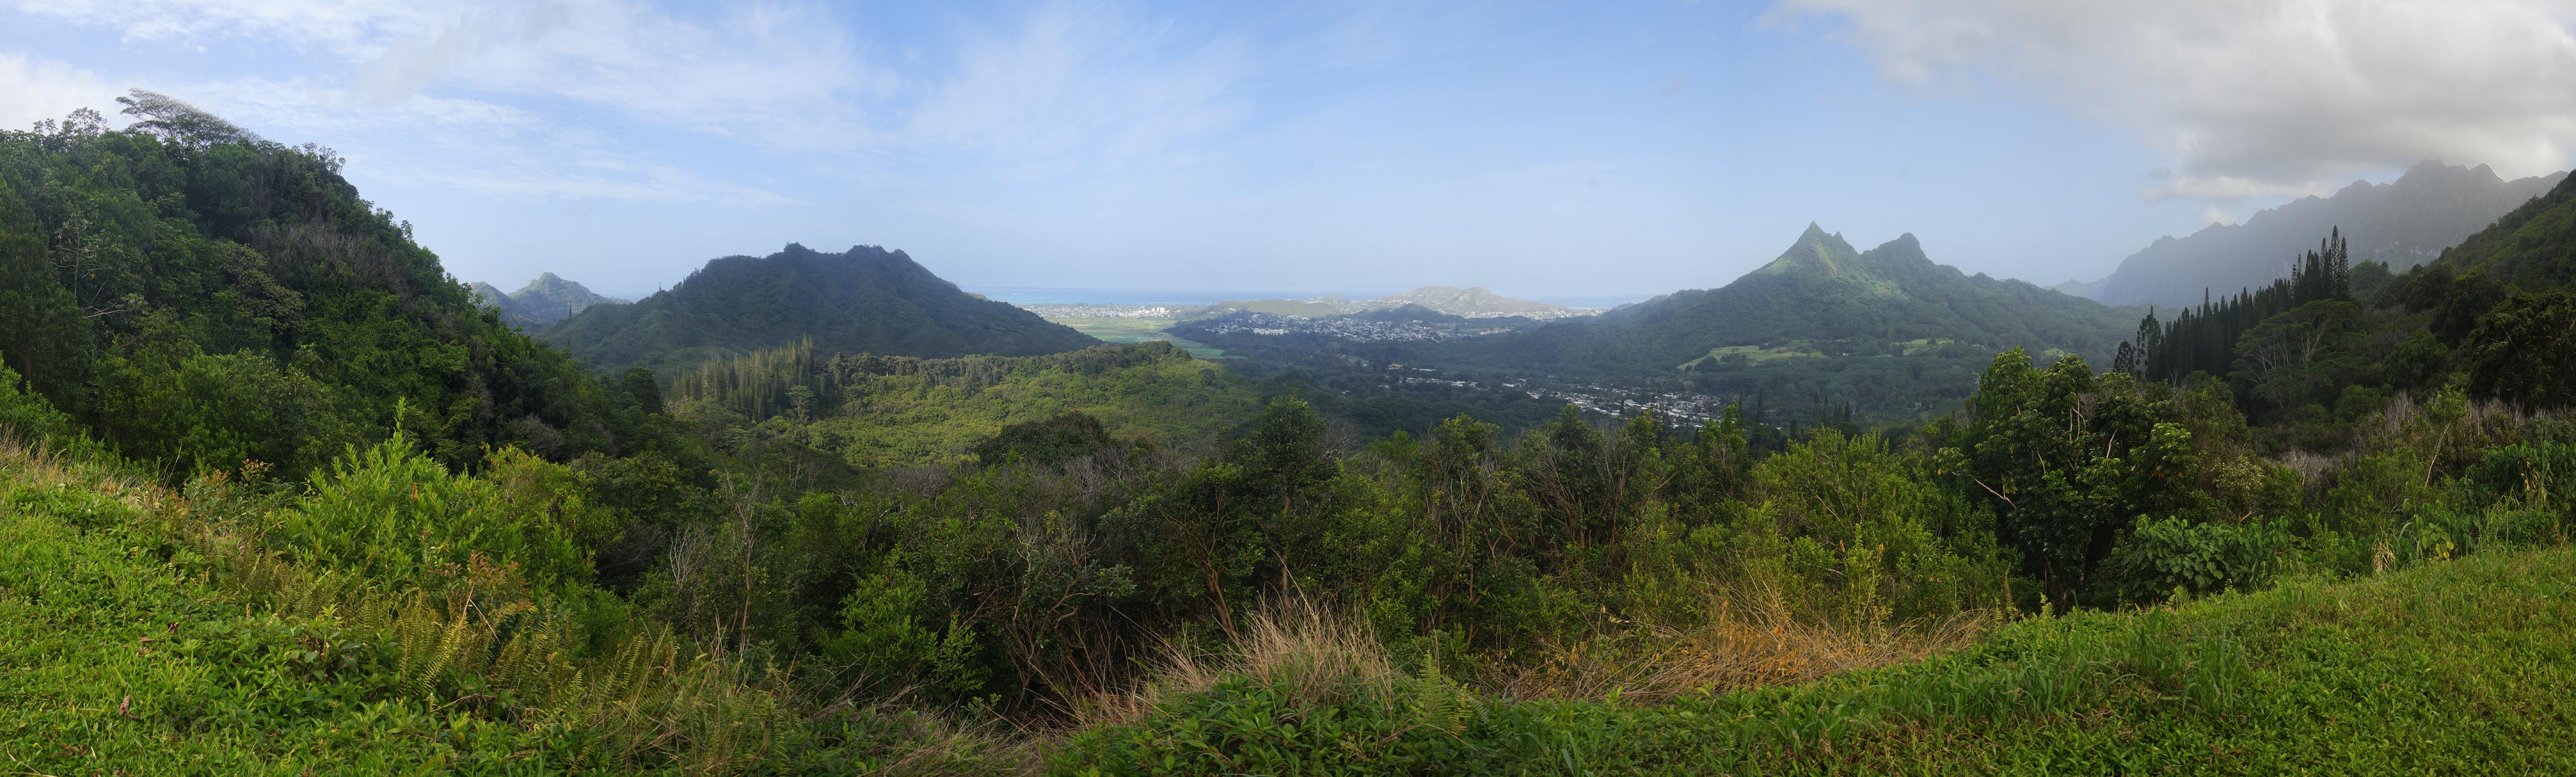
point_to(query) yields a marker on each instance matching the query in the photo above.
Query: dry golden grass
(1752, 639)
(1315, 655)
(26, 463)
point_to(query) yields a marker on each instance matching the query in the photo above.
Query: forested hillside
(2401, 224)
(199, 296)
(2312, 356)
(866, 300)
(2533, 246)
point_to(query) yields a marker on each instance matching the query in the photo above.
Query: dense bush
(388, 511)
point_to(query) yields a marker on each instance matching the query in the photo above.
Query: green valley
(1137, 330)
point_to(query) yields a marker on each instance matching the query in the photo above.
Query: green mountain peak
(868, 300)
(1821, 298)
(1819, 254)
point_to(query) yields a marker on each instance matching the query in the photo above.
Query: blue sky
(1536, 149)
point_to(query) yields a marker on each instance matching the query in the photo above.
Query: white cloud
(40, 89)
(771, 75)
(1071, 81)
(481, 147)
(780, 77)
(1082, 78)
(2258, 97)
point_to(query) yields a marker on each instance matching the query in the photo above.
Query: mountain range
(2404, 223)
(1820, 291)
(866, 299)
(542, 302)
(1472, 302)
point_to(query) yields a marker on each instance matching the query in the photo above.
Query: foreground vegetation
(149, 638)
(148, 630)
(2446, 667)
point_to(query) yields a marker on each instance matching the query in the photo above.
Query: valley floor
(1138, 330)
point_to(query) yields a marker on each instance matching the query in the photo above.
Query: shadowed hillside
(866, 300)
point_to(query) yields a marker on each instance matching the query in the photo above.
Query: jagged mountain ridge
(544, 301)
(867, 299)
(2405, 223)
(1821, 288)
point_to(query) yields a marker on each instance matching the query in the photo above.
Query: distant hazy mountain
(1471, 303)
(865, 300)
(546, 300)
(2405, 223)
(1820, 298)
(1447, 300)
(2085, 289)
(488, 296)
(2531, 247)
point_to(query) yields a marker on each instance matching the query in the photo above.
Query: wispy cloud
(1067, 86)
(1082, 78)
(350, 27)
(777, 75)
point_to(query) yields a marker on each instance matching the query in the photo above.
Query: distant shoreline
(1051, 295)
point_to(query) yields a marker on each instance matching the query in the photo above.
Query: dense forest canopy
(201, 296)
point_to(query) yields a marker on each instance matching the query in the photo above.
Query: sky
(1544, 150)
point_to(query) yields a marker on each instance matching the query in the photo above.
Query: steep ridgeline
(544, 301)
(2502, 304)
(2531, 247)
(867, 299)
(2404, 223)
(1821, 298)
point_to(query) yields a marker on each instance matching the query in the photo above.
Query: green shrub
(2166, 555)
(389, 512)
